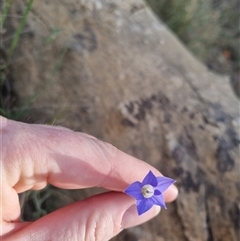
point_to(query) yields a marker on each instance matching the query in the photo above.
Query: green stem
(4, 13)
(20, 29)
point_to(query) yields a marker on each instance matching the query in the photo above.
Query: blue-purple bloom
(149, 192)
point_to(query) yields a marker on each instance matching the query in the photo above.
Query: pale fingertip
(171, 194)
(131, 217)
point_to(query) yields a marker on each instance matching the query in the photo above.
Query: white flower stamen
(147, 191)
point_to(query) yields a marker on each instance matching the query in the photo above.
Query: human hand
(34, 155)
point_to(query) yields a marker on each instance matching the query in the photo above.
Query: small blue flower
(149, 192)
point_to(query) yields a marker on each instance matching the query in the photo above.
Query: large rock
(116, 72)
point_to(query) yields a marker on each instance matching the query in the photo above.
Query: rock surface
(116, 72)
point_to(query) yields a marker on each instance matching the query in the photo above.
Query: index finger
(39, 154)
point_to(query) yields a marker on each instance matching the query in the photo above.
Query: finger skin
(38, 155)
(34, 155)
(97, 218)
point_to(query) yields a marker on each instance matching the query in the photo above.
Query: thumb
(98, 218)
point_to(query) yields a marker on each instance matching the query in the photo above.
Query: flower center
(147, 191)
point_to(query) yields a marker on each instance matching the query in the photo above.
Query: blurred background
(210, 29)
(39, 61)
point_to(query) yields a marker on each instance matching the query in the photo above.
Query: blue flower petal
(159, 200)
(134, 190)
(164, 183)
(159, 185)
(157, 192)
(144, 205)
(150, 179)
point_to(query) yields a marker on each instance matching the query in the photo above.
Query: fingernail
(131, 217)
